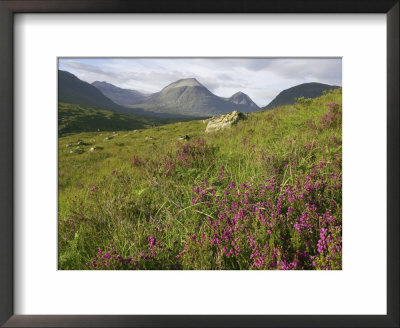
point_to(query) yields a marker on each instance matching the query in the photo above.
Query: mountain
(306, 90)
(120, 96)
(75, 91)
(183, 98)
(188, 97)
(244, 102)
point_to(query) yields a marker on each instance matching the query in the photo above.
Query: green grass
(111, 202)
(74, 118)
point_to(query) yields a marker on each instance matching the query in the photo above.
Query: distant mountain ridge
(118, 95)
(72, 90)
(306, 90)
(185, 97)
(190, 97)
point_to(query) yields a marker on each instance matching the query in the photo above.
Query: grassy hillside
(265, 194)
(78, 118)
(305, 90)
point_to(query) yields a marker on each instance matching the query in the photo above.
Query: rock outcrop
(224, 121)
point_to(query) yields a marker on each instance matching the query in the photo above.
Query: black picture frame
(10, 7)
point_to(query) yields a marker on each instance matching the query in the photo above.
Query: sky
(260, 78)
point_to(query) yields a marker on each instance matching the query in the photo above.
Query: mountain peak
(75, 91)
(189, 82)
(101, 83)
(241, 98)
(119, 95)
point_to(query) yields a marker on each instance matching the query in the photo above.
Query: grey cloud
(267, 94)
(84, 68)
(318, 69)
(224, 77)
(210, 85)
(326, 70)
(218, 82)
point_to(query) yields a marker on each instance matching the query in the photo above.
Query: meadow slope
(73, 118)
(265, 194)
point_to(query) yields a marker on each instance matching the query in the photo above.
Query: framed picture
(182, 165)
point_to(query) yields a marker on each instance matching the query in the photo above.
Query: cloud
(261, 78)
(329, 70)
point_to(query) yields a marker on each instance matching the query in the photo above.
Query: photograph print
(199, 163)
